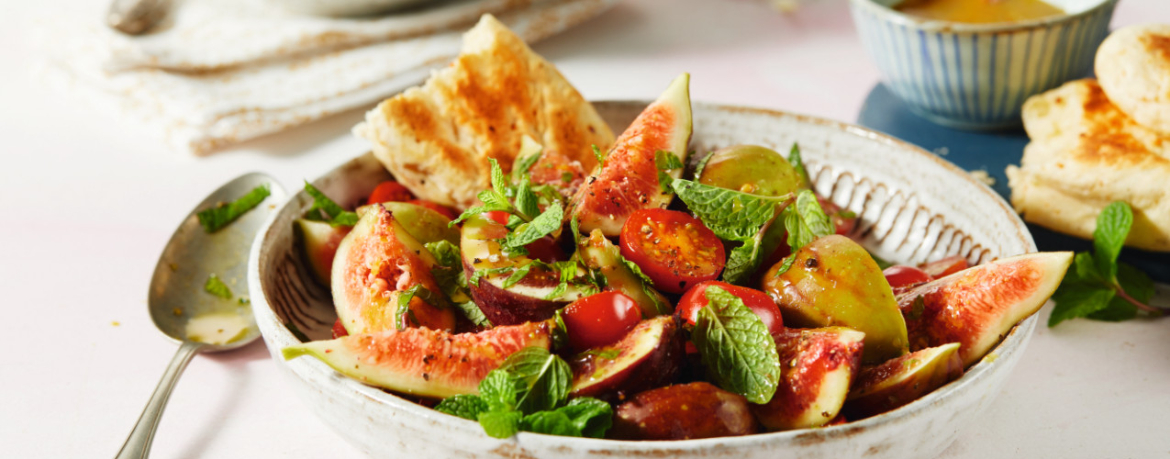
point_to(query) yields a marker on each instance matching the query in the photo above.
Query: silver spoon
(181, 309)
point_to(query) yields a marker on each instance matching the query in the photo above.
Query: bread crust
(1133, 67)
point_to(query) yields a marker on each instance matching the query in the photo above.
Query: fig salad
(607, 308)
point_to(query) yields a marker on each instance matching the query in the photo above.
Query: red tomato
(945, 266)
(600, 319)
(674, 249)
(499, 216)
(339, 330)
(389, 191)
(759, 302)
(905, 276)
(843, 225)
(444, 210)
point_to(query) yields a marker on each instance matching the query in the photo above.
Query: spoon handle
(137, 445)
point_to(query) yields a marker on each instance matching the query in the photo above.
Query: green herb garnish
(731, 214)
(448, 273)
(736, 348)
(1099, 287)
(797, 163)
(324, 209)
(600, 157)
(217, 217)
(216, 287)
(666, 161)
(403, 311)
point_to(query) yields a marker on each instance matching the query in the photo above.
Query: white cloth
(223, 71)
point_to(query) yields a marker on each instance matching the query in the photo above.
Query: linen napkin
(222, 71)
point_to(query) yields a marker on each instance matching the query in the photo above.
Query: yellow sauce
(979, 11)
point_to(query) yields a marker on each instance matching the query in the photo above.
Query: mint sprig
(731, 214)
(735, 346)
(448, 273)
(217, 217)
(798, 163)
(806, 220)
(403, 312)
(1099, 287)
(324, 209)
(666, 162)
(528, 392)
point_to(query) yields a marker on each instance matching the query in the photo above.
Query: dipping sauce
(979, 11)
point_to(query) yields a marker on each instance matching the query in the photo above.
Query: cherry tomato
(759, 302)
(600, 319)
(945, 266)
(844, 225)
(499, 216)
(389, 191)
(905, 276)
(444, 210)
(339, 330)
(674, 249)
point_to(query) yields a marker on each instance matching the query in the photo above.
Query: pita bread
(437, 139)
(1133, 67)
(1086, 153)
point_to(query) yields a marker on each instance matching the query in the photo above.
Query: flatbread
(1133, 66)
(437, 139)
(1086, 153)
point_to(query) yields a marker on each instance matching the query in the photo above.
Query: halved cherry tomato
(600, 319)
(759, 302)
(945, 266)
(499, 216)
(339, 330)
(444, 210)
(389, 191)
(843, 225)
(674, 249)
(900, 276)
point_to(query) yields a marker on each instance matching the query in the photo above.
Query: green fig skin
(834, 282)
(751, 169)
(895, 383)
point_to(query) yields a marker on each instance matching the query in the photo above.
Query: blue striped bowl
(977, 76)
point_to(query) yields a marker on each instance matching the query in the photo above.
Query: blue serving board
(991, 151)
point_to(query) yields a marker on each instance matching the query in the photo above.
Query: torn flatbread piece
(437, 139)
(1086, 153)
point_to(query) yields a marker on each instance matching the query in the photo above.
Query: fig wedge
(375, 262)
(835, 282)
(897, 382)
(628, 180)
(648, 356)
(817, 368)
(319, 243)
(421, 361)
(599, 254)
(529, 298)
(423, 223)
(976, 307)
(683, 412)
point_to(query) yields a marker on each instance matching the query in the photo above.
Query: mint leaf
(216, 287)
(530, 152)
(785, 264)
(539, 227)
(600, 157)
(731, 214)
(797, 163)
(333, 213)
(742, 262)
(499, 390)
(1078, 300)
(217, 217)
(550, 422)
(702, 165)
(805, 221)
(517, 275)
(1113, 224)
(546, 376)
(592, 417)
(500, 182)
(526, 200)
(403, 310)
(477, 274)
(465, 406)
(500, 424)
(735, 346)
(666, 161)
(1135, 282)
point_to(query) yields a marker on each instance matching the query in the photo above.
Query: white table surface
(86, 206)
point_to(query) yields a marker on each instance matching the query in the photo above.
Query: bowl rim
(1015, 341)
(935, 25)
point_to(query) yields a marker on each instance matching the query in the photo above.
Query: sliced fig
(421, 361)
(423, 223)
(526, 300)
(628, 180)
(976, 307)
(683, 412)
(600, 254)
(835, 282)
(319, 241)
(375, 262)
(817, 368)
(751, 169)
(648, 356)
(897, 382)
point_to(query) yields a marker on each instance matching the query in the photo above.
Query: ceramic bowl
(340, 8)
(912, 205)
(977, 76)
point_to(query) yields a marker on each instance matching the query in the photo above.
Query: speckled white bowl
(913, 206)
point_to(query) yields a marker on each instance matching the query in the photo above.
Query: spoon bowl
(183, 309)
